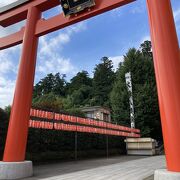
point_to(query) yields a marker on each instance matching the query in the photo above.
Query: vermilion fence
(63, 122)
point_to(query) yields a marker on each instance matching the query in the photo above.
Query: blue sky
(81, 46)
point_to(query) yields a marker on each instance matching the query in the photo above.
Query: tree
(80, 89)
(45, 85)
(4, 119)
(59, 85)
(50, 84)
(146, 49)
(82, 96)
(48, 101)
(8, 110)
(140, 64)
(102, 83)
(147, 111)
(120, 103)
(81, 79)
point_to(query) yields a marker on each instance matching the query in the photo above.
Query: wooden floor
(116, 168)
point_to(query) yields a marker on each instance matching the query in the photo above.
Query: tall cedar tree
(81, 79)
(50, 84)
(147, 118)
(102, 83)
(80, 89)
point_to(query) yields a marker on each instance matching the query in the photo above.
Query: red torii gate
(166, 62)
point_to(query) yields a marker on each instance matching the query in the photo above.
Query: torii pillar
(15, 148)
(167, 71)
(20, 115)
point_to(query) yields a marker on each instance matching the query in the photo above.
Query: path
(116, 168)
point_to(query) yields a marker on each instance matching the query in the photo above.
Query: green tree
(8, 110)
(51, 83)
(80, 89)
(81, 79)
(146, 49)
(82, 96)
(102, 83)
(120, 103)
(59, 84)
(48, 101)
(4, 119)
(147, 111)
(147, 118)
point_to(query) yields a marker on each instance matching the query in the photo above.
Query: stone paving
(114, 168)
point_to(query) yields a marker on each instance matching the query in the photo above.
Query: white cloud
(57, 64)
(177, 15)
(117, 12)
(116, 60)
(138, 8)
(6, 91)
(145, 38)
(50, 59)
(177, 18)
(11, 29)
(7, 64)
(49, 56)
(49, 45)
(8, 69)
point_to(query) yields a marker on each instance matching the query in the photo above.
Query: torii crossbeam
(166, 62)
(55, 23)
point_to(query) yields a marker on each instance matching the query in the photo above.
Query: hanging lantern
(30, 123)
(31, 112)
(74, 6)
(56, 116)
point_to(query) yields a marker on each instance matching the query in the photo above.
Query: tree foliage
(48, 101)
(140, 64)
(50, 84)
(102, 82)
(80, 89)
(106, 88)
(4, 116)
(81, 79)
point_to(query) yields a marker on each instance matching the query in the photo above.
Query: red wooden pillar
(167, 70)
(18, 126)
